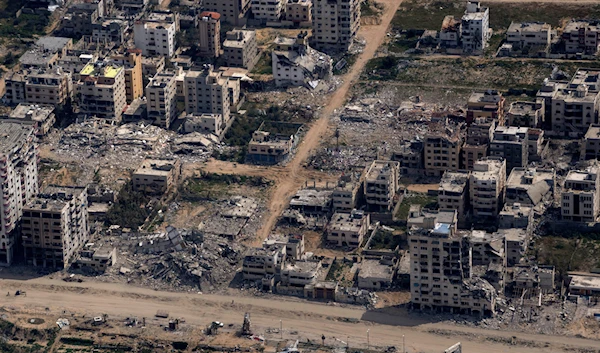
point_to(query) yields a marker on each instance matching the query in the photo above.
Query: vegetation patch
(415, 199)
(569, 252)
(131, 209)
(212, 186)
(385, 239)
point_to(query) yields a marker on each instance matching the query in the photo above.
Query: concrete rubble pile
(237, 217)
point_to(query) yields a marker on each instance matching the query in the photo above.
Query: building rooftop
(593, 132)
(162, 79)
(37, 57)
(575, 25)
(303, 266)
(374, 269)
(12, 136)
(528, 27)
(34, 112)
(53, 44)
(537, 182)
(523, 108)
(583, 175)
(101, 69)
(488, 167)
(380, 168)
(584, 282)
(515, 210)
(311, 197)
(488, 96)
(211, 15)
(238, 38)
(350, 222)
(156, 167)
(454, 181)
(55, 198)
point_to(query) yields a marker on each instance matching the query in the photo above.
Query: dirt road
(311, 320)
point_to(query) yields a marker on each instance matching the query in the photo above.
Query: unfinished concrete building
(511, 144)
(161, 100)
(486, 188)
(453, 194)
(530, 186)
(294, 63)
(487, 248)
(442, 149)
(515, 242)
(209, 32)
(95, 258)
(156, 176)
(535, 141)
(479, 135)
(346, 192)
(206, 124)
(18, 181)
(55, 226)
(381, 185)
(450, 32)
(294, 244)
(526, 114)
(335, 24)
(441, 273)
(581, 196)
(347, 229)
(240, 49)
(487, 104)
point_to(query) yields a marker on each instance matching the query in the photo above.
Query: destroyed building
(441, 273)
(381, 185)
(442, 149)
(375, 274)
(450, 32)
(487, 104)
(410, 157)
(207, 124)
(18, 181)
(516, 242)
(293, 243)
(268, 11)
(479, 136)
(40, 115)
(453, 194)
(486, 248)
(530, 186)
(526, 114)
(294, 63)
(156, 176)
(55, 226)
(486, 187)
(273, 142)
(346, 193)
(348, 229)
(581, 195)
(264, 261)
(528, 280)
(95, 259)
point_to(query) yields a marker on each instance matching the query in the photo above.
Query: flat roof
(156, 167)
(374, 269)
(311, 197)
(585, 282)
(522, 108)
(53, 44)
(454, 181)
(12, 136)
(528, 27)
(35, 112)
(593, 132)
(107, 70)
(527, 177)
(380, 167)
(347, 221)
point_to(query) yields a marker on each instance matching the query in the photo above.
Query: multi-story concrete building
(132, 64)
(381, 185)
(450, 32)
(240, 49)
(155, 38)
(209, 34)
(581, 37)
(161, 100)
(487, 104)
(453, 194)
(420, 217)
(268, 10)
(581, 195)
(18, 181)
(535, 140)
(152, 66)
(575, 105)
(348, 229)
(486, 187)
(40, 115)
(207, 92)
(475, 28)
(264, 261)
(479, 135)
(441, 275)
(206, 124)
(299, 11)
(546, 92)
(335, 24)
(101, 91)
(590, 147)
(39, 87)
(526, 114)
(442, 149)
(295, 63)
(510, 143)
(156, 175)
(529, 186)
(267, 147)
(233, 11)
(346, 192)
(530, 35)
(410, 156)
(80, 18)
(55, 226)
(109, 31)
(515, 215)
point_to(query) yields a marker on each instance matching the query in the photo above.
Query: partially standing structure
(381, 185)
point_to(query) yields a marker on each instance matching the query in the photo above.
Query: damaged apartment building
(470, 34)
(442, 148)
(273, 142)
(381, 185)
(580, 200)
(55, 226)
(156, 176)
(294, 63)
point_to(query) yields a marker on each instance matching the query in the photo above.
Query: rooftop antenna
(337, 139)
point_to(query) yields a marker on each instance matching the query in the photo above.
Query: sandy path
(311, 320)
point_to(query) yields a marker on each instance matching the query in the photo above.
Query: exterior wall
(335, 24)
(580, 199)
(341, 234)
(48, 88)
(441, 155)
(299, 11)
(51, 237)
(18, 183)
(571, 113)
(161, 100)
(149, 179)
(268, 10)
(487, 190)
(525, 37)
(209, 29)
(155, 39)
(232, 11)
(206, 93)
(104, 98)
(243, 55)
(206, 123)
(132, 62)
(380, 188)
(286, 74)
